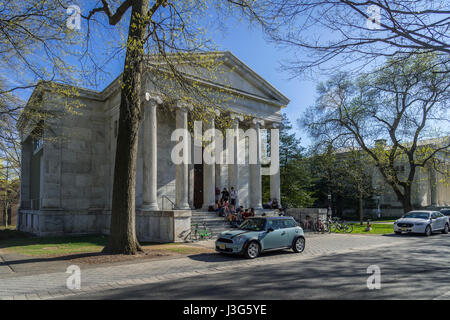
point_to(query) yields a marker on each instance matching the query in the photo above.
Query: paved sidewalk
(53, 284)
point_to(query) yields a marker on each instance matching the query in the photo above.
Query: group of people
(225, 206)
(229, 196)
(236, 216)
(273, 204)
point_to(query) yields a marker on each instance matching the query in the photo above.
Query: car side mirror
(270, 230)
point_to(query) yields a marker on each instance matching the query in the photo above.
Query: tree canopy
(402, 102)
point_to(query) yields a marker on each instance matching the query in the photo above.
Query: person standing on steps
(225, 195)
(233, 196)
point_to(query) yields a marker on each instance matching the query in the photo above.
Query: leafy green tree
(405, 101)
(357, 174)
(163, 37)
(160, 41)
(343, 174)
(295, 178)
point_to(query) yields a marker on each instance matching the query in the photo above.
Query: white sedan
(425, 222)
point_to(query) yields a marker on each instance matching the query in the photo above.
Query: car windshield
(253, 224)
(446, 212)
(417, 215)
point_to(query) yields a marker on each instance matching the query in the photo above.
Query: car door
(292, 231)
(441, 219)
(277, 237)
(435, 221)
(446, 218)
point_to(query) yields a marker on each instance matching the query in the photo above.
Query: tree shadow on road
(407, 272)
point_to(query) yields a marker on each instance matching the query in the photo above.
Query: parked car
(425, 222)
(445, 212)
(259, 234)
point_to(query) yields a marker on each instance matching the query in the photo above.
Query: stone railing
(301, 215)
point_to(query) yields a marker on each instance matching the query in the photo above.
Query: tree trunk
(122, 238)
(406, 201)
(5, 217)
(405, 197)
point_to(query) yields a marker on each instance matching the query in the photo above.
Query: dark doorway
(198, 186)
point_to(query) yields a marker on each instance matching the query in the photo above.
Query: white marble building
(430, 188)
(67, 169)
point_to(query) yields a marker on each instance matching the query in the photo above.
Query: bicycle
(202, 233)
(322, 227)
(340, 226)
(327, 225)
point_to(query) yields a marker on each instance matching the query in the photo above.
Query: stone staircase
(217, 224)
(213, 223)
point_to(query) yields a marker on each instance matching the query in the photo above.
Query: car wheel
(299, 245)
(428, 231)
(445, 231)
(252, 250)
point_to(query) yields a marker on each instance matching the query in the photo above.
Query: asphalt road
(418, 269)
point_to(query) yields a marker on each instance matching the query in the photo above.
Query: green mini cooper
(259, 234)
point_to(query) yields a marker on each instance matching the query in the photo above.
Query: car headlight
(239, 239)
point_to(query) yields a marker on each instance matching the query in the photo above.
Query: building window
(38, 142)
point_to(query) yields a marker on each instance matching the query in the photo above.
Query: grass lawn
(19, 242)
(377, 228)
(383, 220)
(8, 227)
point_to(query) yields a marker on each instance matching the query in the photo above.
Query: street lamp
(378, 206)
(329, 212)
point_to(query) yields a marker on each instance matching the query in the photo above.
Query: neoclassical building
(68, 163)
(430, 187)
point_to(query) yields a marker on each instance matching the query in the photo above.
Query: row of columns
(150, 201)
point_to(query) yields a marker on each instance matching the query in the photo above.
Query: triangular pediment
(232, 74)
(239, 76)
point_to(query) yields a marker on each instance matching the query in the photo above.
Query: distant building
(430, 189)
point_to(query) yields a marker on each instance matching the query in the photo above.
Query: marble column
(233, 166)
(275, 162)
(209, 166)
(181, 170)
(220, 167)
(255, 170)
(25, 183)
(150, 187)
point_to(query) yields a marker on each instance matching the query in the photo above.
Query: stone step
(209, 226)
(225, 227)
(207, 219)
(211, 220)
(205, 214)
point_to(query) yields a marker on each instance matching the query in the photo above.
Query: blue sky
(247, 44)
(264, 58)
